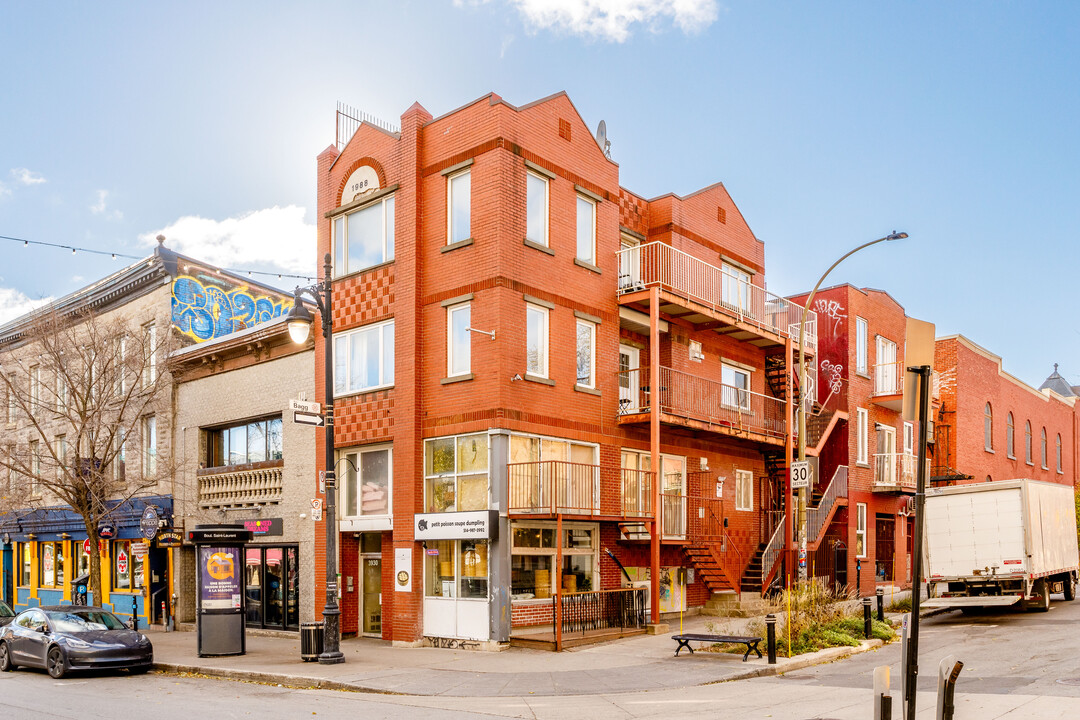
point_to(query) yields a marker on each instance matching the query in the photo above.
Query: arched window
(988, 427)
(1044, 448)
(1027, 442)
(1010, 449)
(989, 479)
(1059, 452)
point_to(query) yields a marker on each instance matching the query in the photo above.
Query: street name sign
(307, 418)
(305, 406)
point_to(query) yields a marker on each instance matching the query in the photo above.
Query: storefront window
(272, 587)
(456, 569)
(127, 569)
(27, 559)
(456, 473)
(533, 560)
(51, 569)
(82, 560)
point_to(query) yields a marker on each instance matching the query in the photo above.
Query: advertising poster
(220, 587)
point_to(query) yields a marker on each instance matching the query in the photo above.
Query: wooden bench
(751, 643)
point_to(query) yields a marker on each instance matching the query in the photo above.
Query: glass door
(673, 489)
(274, 587)
(629, 378)
(371, 611)
(629, 265)
(253, 586)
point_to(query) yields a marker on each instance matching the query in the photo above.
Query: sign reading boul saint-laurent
(476, 524)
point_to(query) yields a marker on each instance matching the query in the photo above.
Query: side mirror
(43, 629)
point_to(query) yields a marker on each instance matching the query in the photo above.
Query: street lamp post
(299, 322)
(804, 491)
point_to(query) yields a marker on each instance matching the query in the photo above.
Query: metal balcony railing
(550, 487)
(704, 400)
(659, 264)
(889, 378)
(894, 470)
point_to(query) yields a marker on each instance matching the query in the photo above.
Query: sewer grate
(1068, 681)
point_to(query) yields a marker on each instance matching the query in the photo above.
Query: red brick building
(863, 534)
(521, 344)
(992, 426)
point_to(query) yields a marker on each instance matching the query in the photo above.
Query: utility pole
(911, 668)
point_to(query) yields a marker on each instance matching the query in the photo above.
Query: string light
(114, 255)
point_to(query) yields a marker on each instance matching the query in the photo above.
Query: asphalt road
(1017, 665)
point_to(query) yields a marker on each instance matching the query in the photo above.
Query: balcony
(241, 486)
(691, 517)
(701, 404)
(546, 488)
(894, 472)
(705, 295)
(888, 389)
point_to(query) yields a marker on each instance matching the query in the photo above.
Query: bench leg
(683, 644)
(747, 653)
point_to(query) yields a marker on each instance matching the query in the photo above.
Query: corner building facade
(546, 386)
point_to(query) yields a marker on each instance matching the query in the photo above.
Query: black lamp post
(299, 322)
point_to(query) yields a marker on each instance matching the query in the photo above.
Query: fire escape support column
(789, 454)
(654, 453)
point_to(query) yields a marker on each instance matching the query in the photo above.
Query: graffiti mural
(832, 375)
(833, 310)
(206, 307)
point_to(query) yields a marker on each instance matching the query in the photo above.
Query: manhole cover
(1068, 681)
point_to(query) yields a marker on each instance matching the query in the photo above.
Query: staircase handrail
(771, 554)
(816, 516)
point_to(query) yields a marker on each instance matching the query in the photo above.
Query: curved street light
(803, 492)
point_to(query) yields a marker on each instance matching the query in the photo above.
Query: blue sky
(831, 123)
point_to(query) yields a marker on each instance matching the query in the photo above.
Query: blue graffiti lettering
(204, 312)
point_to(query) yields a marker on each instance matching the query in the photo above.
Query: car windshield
(84, 621)
(5, 611)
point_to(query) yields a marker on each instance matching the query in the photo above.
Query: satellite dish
(601, 139)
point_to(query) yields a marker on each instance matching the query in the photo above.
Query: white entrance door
(673, 498)
(885, 473)
(887, 376)
(629, 265)
(629, 379)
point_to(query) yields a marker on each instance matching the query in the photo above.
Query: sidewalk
(640, 663)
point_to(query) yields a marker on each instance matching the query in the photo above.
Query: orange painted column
(654, 452)
(789, 455)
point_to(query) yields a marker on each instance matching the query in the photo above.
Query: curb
(272, 678)
(819, 657)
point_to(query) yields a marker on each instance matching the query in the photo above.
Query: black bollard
(886, 707)
(858, 576)
(880, 605)
(866, 617)
(770, 637)
(134, 613)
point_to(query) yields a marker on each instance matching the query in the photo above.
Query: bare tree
(83, 389)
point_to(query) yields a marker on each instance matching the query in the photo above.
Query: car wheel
(1070, 587)
(55, 664)
(5, 659)
(1041, 601)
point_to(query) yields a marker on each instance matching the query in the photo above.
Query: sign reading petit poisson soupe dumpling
(472, 525)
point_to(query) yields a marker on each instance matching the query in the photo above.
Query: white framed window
(536, 208)
(744, 490)
(586, 353)
(735, 390)
(35, 387)
(586, 230)
(150, 340)
(368, 480)
(536, 340)
(60, 450)
(456, 473)
(736, 287)
(988, 427)
(364, 358)
(1010, 432)
(364, 237)
(458, 207)
(149, 444)
(61, 392)
(862, 434)
(860, 530)
(886, 376)
(458, 340)
(860, 345)
(534, 548)
(35, 467)
(11, 398)
(909, 438)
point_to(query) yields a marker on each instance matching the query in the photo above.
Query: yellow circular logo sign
(403, 577)
(220, 566)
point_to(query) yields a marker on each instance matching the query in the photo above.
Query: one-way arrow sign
(306, 418)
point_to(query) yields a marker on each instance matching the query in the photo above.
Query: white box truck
(1000, 543)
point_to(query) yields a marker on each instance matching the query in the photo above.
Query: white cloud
(14, 303)
(276, 237)
(24, 176)
(4, 190)
(611, 20)
(101, 207)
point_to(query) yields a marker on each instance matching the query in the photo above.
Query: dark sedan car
(72, 637)
(6, 614)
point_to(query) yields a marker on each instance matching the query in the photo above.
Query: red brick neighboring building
(518, 338)
(992, 426)
(871, 456)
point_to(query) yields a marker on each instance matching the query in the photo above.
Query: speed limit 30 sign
(800, 474)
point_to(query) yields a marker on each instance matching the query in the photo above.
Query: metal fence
(602, 609)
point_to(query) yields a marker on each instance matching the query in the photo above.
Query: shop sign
(219, 581)
(149, 523)
(473, 525)
(106, 531)
(265, 526)
(139, 550)
(169, 538)
(86, 546)
(122, 562)
(403, 569)
(219, 535)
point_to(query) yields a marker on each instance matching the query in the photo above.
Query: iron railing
(549, 487)
(704, 400)
(771, 554)
(889, 378)
(602, 609)
(673, 516)
(894, 470)
(657, 263)
(816, 516)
